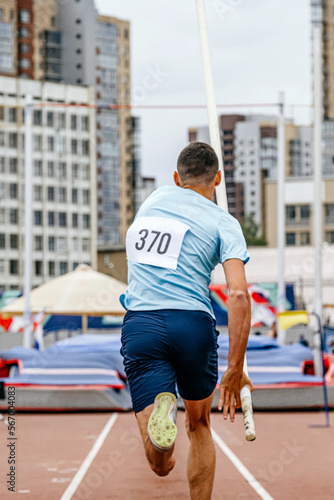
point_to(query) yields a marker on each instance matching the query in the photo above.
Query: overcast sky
(258, 48)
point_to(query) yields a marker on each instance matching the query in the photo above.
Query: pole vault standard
(27, 220)
(281, 214)
(221, 190)
(318, 194)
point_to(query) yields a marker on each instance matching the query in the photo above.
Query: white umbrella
(83, 292)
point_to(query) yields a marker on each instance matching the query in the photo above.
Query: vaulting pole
(221, 189)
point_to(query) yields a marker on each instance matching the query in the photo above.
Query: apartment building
(98, 53)
(299, 198)
(323, 14)
(64, 180)
(30, 43)
(234, 190)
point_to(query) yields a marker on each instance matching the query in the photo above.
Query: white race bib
(155, 241)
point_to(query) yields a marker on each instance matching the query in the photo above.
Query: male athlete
(169, 339)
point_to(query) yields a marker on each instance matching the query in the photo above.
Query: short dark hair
(197, 163)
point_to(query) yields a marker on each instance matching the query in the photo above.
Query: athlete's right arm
(239, 319)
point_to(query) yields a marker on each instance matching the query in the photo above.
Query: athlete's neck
(206, 191)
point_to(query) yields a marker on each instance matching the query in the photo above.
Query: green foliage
(252, 232)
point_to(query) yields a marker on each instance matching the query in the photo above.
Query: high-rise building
(299, 199)
(63, 183)
(235, 193)
(30, 43)
(97, 52)
(323, 13)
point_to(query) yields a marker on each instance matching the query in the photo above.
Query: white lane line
(241, 468)
(72, 487)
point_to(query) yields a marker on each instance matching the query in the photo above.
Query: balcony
(297, 222)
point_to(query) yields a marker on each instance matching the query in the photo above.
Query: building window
(78, 51)
(38, 193)
(74, 146)
(38, 268)
(75, 171)
(51, 169)
(38, 168)
(85, 123)
(85, 148)
(86, 221)
(62, 170)
(37, 117)
(13, 216)
(37, 143)
(305, 212)
(62, 244)
(12, 115)
(14, 241)
(85, 196)
(2, 240)
(51, 243)
(74, 195)
(75, 244)
(305, 238)
(330, 236)
(290, 239)
(51, 219)
(12, 136)
(38, 218)
(291, 212)
(2, 215)
(38, 243)
(62, 268)
(13, 190)
(52, 268)
(2, 138)
(73, 122)
(50, 119)
(24, 16)
(14, 267)
(62, 219)
(51, 143)
(78, 36)
(78, 21)
(24, 33)
(85, 245)
(13, 165)
(53, 21)
(62, 195)
(75, 220)
(62, 120)
(126, 33)
(85, 172)
(51, 193)
(24, 63)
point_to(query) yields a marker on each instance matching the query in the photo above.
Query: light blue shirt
(214, 236)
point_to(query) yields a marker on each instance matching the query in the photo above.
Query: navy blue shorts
(165, 348)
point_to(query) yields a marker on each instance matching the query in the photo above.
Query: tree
(253, 235)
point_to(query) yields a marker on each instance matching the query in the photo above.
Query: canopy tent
(83, 292)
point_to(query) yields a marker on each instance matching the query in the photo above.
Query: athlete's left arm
(239, 321)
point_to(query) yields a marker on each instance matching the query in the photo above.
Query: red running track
(289, 459)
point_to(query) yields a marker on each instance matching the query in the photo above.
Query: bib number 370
(155, 241)
(162, 241)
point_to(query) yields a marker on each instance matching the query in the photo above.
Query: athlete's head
(197, 164)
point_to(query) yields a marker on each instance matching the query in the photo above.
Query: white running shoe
(161, 425)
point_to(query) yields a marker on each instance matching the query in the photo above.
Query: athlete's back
(177, 239)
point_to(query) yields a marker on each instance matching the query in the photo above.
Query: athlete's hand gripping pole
(247, 408)
(245, 394)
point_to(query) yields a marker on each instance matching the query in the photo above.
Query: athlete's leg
(161, 462)
(202, 455)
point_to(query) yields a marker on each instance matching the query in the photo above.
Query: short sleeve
(232, 243)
